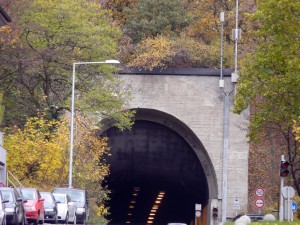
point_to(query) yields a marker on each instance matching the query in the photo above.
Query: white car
(2, 211)
(66, 209)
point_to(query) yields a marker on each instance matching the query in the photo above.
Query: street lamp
(111, 61)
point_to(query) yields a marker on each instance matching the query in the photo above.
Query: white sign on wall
(259, 192)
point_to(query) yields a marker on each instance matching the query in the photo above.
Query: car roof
(59, 194)
(26, 188)
(45, 192)
(6, 188)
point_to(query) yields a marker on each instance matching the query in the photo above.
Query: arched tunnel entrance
(155, 176)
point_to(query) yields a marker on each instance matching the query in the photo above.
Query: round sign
(288, 192)
(259, 203)
(2, 184)
(259, 192)
(198, 214)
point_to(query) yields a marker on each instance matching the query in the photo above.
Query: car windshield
(29, 194)
(7, 195)
(75, 195)
(60, 198)
(47, 197)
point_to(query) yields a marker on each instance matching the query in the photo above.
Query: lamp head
(112, 61)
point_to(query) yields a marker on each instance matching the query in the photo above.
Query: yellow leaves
(34, 154)
(296, 130)
(184, 51)
(8, 37)
(152, 53)
(38, 154)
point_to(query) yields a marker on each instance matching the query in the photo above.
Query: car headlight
(30, 208)
(9, 210)
(80, 210)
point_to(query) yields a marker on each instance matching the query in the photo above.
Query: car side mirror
(19, 200)
(57, 201)
(5, 201)
(41, 199)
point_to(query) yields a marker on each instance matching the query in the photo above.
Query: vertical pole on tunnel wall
(225, 155)
(227, 101)
(197, 213)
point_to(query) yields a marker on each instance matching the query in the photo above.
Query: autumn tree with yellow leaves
(38, 155)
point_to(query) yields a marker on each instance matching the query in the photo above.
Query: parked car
(50, 206)
(34, 207)
(2, 212)
(14, 209)
(81, 198)
(66, 208)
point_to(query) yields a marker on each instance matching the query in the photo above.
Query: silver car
(2, 211)
(14, 209)
(66, 209)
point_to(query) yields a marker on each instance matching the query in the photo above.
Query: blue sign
(294, 206)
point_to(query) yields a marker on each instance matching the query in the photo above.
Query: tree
(150, 41)
(182, 52)
(38, 156)
(37, 71)
(152, 18)
(269, 79)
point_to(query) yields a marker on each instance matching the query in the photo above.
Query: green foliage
(51, 36)
(269, 77)
(148, 18)
(155, 43)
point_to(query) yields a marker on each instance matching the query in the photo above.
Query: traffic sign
(198, 213)
(259, 203)
(259, 192)
(294, 206)
(236, 204)
(288, 192)
(198, 207)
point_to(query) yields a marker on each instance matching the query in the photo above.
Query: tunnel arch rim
(187, 134)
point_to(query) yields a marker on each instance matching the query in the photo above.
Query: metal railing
(10, 181)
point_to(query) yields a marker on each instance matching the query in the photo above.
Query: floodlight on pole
(111, 61)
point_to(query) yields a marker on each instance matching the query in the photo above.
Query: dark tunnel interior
(155, 176)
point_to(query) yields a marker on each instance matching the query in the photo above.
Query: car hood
(62, 207)
(10, 205)
(30, 203)
(80, 204)
(49, 205)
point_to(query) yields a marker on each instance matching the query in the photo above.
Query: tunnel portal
(155, 176)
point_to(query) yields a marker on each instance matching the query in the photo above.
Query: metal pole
(72, 127)
(280, 194)
(111, 61)
(225, 155)
(236, 37)
(226, 126)
(222, 41)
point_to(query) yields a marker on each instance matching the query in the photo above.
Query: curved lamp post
(111, 61)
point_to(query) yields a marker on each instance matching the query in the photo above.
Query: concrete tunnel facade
(187, 106)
